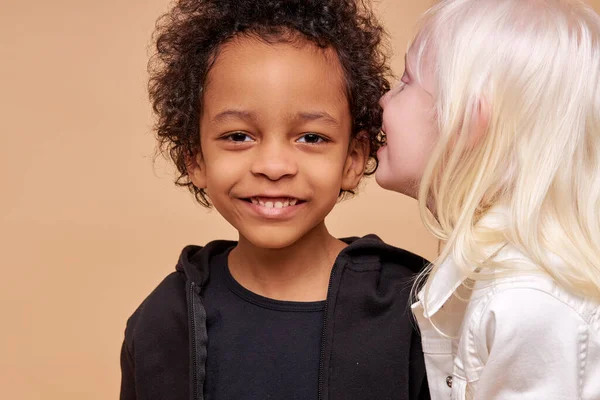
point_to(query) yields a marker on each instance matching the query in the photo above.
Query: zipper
(322, 355)
(193, 344)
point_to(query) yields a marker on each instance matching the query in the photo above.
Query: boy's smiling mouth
(274, 207)
(274, 202)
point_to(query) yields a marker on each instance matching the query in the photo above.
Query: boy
(269, 110)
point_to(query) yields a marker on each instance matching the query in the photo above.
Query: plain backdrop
(88, 224)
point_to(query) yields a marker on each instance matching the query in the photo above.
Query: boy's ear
(196, 169)
(356, 160)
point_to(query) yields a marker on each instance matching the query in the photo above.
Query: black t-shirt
(259, 348)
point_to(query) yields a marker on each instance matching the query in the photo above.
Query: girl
(495, 128)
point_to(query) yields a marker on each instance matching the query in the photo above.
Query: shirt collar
(449, 277)
(443, 284)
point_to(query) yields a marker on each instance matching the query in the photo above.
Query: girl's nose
(385, 98)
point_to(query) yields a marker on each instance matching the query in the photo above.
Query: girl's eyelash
(398, 88)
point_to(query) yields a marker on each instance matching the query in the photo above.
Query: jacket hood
(194, 260)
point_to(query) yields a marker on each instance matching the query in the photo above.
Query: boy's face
(275, 137)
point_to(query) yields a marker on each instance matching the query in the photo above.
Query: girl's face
(411, 130)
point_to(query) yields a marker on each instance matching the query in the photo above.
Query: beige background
(88, 226)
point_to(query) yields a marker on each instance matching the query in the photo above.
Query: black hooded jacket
(370, 347)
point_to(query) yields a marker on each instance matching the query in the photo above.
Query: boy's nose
(274, 161)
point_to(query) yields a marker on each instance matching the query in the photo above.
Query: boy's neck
(299, 272)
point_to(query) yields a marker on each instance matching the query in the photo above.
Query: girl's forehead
(421, 50)
(420, 63)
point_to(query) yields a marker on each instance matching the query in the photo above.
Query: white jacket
(514, 338)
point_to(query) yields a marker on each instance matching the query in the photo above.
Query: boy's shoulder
(166, 305)
(167, 300)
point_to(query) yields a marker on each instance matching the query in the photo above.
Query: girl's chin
(389, 181)
(383, 178)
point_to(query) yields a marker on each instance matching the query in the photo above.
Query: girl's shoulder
(531, 299)
(532, 288)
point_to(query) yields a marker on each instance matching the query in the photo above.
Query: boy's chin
(273, 239)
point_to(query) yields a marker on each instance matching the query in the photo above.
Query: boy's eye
(238, 137)
(311, 138)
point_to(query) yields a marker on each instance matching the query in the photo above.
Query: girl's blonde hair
(531, 70)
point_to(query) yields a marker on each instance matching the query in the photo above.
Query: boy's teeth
(273, 204)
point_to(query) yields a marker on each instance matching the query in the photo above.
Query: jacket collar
(194, 260)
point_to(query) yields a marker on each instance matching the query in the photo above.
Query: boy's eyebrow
(232, 113)
(318, 115)
(251, 116)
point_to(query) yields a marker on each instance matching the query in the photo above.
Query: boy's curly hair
(189, 35)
